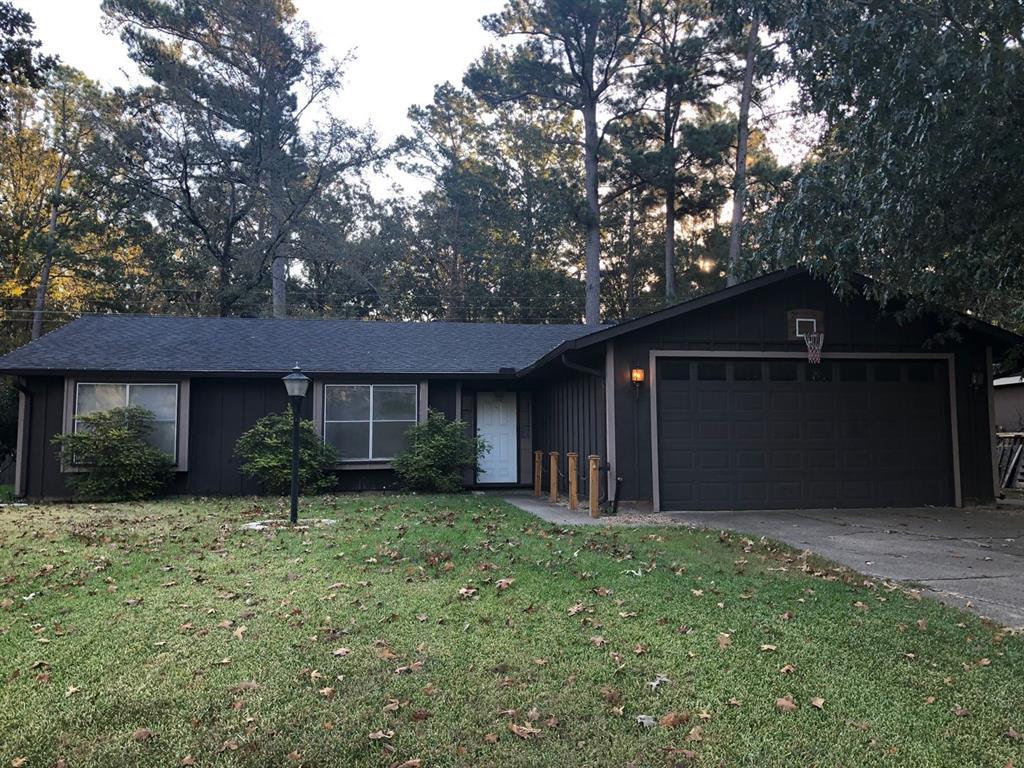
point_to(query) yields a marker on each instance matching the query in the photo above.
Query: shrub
(112, 458)
(439, 450)
(266, 454)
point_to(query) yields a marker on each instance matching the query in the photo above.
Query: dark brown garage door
(783, 434)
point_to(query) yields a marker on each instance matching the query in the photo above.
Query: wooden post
(595, 482)
(574, 494)
(553, 496)
(538, 473)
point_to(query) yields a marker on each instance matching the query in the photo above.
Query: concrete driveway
(973, 558)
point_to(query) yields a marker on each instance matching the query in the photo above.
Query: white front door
(496, 424)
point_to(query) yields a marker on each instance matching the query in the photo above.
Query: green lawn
(458, 631)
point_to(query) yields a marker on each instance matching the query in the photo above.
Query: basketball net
(814, 342)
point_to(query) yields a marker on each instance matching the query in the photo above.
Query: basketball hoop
(814, 342)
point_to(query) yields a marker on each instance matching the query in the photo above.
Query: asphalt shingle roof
(215, 345)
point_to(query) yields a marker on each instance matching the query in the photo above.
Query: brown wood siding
(441, 397)
(568, 415)
(221, 410)
(43, 478)
(757, 322)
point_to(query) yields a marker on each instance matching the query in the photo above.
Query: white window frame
(181, 413)
(370, 458)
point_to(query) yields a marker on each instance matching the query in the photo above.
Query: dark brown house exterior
(730, 415)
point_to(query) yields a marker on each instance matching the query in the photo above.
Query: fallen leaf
(238, 633)
(724, 640)
(142, 734)
(18, 762)
(646, 721)
(787, 669)
(341, 652)
(188, 760)
(785, 704)
(817, 702)
(674, 719)
(959, 711)
(490, 738)
(503, 584)
(414, 763)
(71, 691)
(767, 648)
(1013, 735)
(696, 733)
(327, 693)
(381, 735)
(523, 731)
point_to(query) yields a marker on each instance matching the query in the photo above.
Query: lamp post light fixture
(296, 383)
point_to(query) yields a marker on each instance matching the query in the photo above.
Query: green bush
(112, 459)
(266, 454)
(439, 450)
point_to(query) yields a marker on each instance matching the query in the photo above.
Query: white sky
(403, 48)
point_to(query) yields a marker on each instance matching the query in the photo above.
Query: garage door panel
(763, 435)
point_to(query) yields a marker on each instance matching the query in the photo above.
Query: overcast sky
(403, 48)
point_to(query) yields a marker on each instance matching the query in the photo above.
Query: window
(368, 422)
(160, 399)
(711, 370)
(747, 370)
(782, 370)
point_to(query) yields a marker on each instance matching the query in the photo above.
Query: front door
(496, 424)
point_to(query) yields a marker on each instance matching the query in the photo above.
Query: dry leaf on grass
(523, 731)
(785, 704)
(817, 702)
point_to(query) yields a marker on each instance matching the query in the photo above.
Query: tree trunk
(593, 229)
(278, 279)
(740, 180)
(224, 302)
(670, 241)
(51, 246)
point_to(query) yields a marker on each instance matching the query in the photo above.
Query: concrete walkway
(972, 558)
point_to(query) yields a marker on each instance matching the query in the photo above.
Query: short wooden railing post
(595, 483)
(538, 473)
(573, 471)
(553, 495)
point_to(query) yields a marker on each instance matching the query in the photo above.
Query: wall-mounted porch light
(636, 378)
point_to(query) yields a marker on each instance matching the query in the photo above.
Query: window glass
(159, 399)
(99, 397)
(347, 402)
(819, 372)
(782, 370)
(747, 370)
(674, 369)
(350, 439)
(394, 403)
(711, 370)
(921, 371)
(887, 371)
(853, 371)
(389, 438)
(369, 421)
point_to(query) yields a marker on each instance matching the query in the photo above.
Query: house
(1009, 403)
(709, 404)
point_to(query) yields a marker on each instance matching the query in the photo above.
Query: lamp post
(296, 384)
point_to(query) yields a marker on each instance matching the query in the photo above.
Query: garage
(781, 433)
